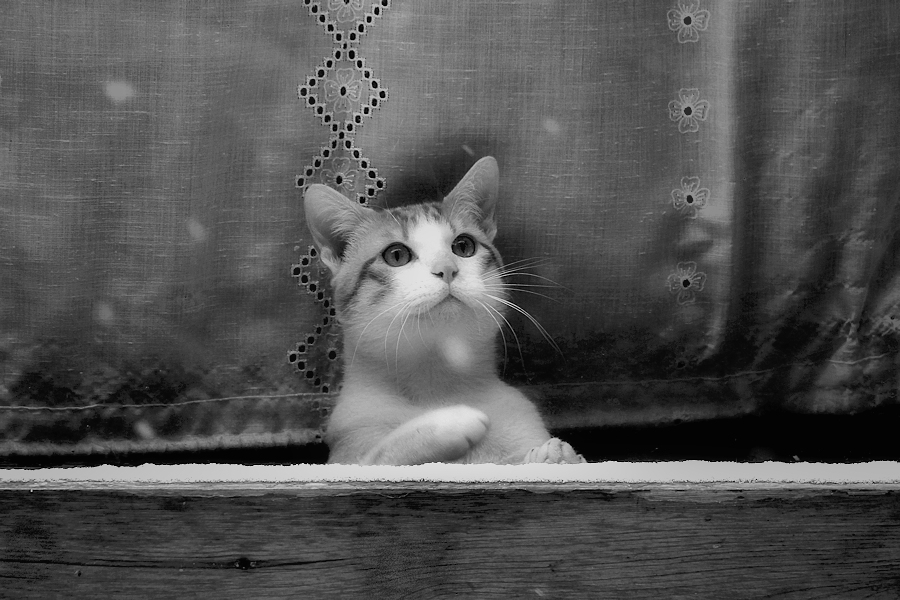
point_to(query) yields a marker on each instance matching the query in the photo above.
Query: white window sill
(768, 474)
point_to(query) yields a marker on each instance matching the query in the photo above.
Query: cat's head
(427, 267)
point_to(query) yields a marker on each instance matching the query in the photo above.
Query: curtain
(709, 189)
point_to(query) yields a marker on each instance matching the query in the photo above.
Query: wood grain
(444, 541)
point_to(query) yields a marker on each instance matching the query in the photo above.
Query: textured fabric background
(713, 187)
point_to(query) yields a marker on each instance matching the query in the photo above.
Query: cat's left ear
(477, 193)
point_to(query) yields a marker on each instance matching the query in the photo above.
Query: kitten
(420, 297)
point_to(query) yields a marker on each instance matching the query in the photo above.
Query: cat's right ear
(476, 193)
(331, 218)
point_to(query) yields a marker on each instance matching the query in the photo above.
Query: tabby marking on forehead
(406, 216)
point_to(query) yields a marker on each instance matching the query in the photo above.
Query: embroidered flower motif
(346, 10)
(343, 90)
(686, 282)
(691, 197)
(688, 110)
(342, 175)
(688, 20)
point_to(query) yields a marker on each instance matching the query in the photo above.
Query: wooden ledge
(605, 530)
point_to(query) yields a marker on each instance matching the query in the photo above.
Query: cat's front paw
(457, 429)
(442, 435)
(554, 451)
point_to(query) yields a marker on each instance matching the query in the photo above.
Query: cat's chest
(494, 398)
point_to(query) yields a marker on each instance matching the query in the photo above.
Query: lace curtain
(712, 188)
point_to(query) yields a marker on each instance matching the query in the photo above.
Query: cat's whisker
(388, 330)
(431, 317)
(517, 285)
(504, 272)
(519, 265)
(512, 330)
(393, 216)
(521, 284)
(506, 278)
(488, 309)
(396, 349)
(505, 288)
(399, 334)
(536, 276)
(405, 313)
(363, 332)
(528, 316)
(527, 262)
(419, 325)
(507, 272)
(406, 318)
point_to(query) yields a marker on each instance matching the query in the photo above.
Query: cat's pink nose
(446, 271)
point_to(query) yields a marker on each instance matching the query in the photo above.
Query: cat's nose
(446, 271)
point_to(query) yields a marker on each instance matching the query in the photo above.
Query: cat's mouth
(447, 304)
(448, 300)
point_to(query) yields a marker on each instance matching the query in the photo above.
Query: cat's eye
(396, 255)
(463, 246)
